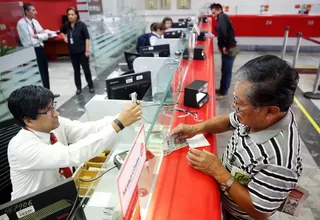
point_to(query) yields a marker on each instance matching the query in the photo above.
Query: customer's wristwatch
(226, 185)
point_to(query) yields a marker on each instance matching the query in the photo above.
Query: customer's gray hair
(274, 82)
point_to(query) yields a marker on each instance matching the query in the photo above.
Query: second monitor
(155, 51)
(121, 87)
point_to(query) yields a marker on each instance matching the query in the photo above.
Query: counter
(173, 189)
(182, 192)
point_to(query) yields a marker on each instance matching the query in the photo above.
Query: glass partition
(114, 29)
(10, 14)
(157, 127)
(18, 65)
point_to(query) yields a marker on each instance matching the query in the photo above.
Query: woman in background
(76, 35)
(167, 22)
(158, 30)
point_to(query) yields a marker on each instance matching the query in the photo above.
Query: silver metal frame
(285, 41)
(296, 53)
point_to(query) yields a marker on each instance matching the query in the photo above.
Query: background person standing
(228, 47)
(76, 35)
(32, 35)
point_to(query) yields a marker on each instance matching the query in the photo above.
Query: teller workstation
(144, 176)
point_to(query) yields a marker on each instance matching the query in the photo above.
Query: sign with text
(127, 181)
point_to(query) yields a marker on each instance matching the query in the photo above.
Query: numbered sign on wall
(183, 4)
(151, 4)
(165, 4)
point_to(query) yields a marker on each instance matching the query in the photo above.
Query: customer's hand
(224, 51)
(208, 163)
(35, 36)
(65, 39)
(130, 114)
(87, 53)
(185, 131)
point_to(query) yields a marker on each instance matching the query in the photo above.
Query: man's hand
(130, 114)
(35, 36)
(224, 51)
(87, 53)
(65, 39)
(186, 131)
(208, 163)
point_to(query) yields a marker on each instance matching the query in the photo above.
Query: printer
(196, 94)
(198, 53)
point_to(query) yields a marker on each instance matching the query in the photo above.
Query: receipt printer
(119, 159)
(202, 36)
(198, 53)
(196, 94)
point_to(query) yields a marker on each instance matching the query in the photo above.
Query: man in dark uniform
(226, 41)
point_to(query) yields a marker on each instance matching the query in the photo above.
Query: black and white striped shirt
(270, 157)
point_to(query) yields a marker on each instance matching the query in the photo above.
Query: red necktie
(34, 28)
(66, 171)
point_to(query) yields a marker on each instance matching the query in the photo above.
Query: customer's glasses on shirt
(235, 105)
(50, 109)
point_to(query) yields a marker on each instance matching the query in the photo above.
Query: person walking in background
(32, 35)
(167, 22)
(76, 35)
(228, 47)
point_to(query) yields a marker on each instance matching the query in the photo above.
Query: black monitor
(130, 57)
(174, 34)
(53, 202)
(155, 51)
(121, 87)
(127, 72)
(179, 25)
(184, 19)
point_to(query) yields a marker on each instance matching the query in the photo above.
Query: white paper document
(209, 34)
(99, 199)
(198, 141)
(51, 33)
(200, 95)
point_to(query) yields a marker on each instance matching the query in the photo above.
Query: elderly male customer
(265, 146)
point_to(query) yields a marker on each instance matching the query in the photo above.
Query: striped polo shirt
(270, 158)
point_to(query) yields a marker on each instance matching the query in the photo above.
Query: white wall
(243, 7)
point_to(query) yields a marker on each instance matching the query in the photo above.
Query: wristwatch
(226, 185)
(119, 123)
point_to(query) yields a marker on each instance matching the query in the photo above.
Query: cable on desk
(71, 215)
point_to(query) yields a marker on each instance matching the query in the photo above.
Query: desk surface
(182, 192)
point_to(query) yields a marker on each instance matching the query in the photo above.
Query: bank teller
(48, 142)
(76, 35)
(158, 30)
(167, 22)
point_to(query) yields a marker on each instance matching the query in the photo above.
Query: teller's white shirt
(35, 162)
(154, 38)
(25, 31)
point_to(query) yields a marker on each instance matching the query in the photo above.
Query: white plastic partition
(172, 42)
(152, 64)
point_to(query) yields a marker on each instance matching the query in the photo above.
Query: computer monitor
(127, 72)
(155, 51)
(174, 34)
(179, 25)
(130, 57)
(184, 19)
(121, 87)
(53, 202)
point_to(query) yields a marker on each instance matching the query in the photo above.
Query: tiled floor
(61, 76)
